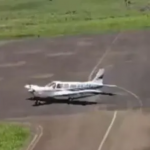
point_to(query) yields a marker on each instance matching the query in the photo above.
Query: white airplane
(69, 90)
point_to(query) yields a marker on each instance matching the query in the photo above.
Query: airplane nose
(31, 90)
(27, 86)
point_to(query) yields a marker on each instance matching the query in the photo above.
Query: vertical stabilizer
(99, 76)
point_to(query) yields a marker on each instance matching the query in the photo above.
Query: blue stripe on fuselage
(86, 88)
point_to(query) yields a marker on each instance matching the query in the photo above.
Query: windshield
(52, 84)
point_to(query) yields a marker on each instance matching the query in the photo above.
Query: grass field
(12, 137)
(20, 18)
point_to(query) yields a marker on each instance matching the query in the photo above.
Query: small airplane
(69, 90)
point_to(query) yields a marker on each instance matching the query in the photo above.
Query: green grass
(13, 137)
(20, 18)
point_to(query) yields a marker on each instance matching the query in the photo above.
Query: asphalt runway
(39, 61)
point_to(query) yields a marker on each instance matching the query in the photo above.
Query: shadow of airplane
(47, 101)
(61, 101)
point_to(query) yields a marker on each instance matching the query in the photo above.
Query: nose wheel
(36, 102)
(70, 100)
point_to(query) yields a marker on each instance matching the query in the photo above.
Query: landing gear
(70, 100)
(35, 98)
(37, 102)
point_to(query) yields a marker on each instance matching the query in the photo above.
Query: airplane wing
(75, 94)
(80, 93)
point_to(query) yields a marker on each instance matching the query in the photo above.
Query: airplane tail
(99, 76)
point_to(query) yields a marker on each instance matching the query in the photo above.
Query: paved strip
(42, 76)
(17, 64)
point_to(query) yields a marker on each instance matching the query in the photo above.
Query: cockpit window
(66, 86)
(59, 85)
(72, 85)
(52, 84)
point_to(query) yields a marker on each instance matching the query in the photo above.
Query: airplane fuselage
(68, 90)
